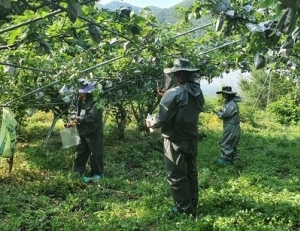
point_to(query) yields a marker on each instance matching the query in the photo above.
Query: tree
(267, 31)
(48, 41)
(263, 88)
(286, 110)
(54, 43)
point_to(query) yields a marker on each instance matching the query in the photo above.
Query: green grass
(260, 192)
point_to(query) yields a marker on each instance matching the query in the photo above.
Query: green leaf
(14, 35)
(259, 61)
(135, 30)
(265, 3)
(95, 33)
(44, 45)
(42, 12)
(73, 10)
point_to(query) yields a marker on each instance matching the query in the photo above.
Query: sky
(231, 79)
(143, 3)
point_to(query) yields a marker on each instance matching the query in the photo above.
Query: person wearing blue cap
(88, 119)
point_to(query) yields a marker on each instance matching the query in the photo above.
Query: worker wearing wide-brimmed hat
(88, 119)
(177, 117)
(230, 115)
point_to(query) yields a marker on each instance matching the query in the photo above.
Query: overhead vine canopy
(45, 41)
(42, 41)
(269, 29)
(64, 30)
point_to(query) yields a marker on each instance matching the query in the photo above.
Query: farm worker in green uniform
(88, 119)
(230, 115)
(177, 116)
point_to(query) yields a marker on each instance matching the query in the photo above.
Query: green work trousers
(182, 173)
(91, 146)
(229, 141)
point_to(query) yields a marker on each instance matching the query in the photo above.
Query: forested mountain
(169, 15)
(165, 15)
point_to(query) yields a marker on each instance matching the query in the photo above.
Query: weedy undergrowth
(260, 192)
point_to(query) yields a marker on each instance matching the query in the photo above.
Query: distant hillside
(115, 5)
(166, 15)
(170, 15)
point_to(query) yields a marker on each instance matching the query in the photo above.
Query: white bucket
(69, 137)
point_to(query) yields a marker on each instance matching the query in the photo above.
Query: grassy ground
(260, 192)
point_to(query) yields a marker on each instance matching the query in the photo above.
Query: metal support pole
(262, 88)
(224, 45)
(27, 68)
(192, 30)
(29, 22)
(51, 129)
(29, 93)
(39, 18)
(117, 58)
(269, 92)
(85, 19)
(101, 64)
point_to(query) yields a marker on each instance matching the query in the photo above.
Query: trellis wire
(260, 92)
